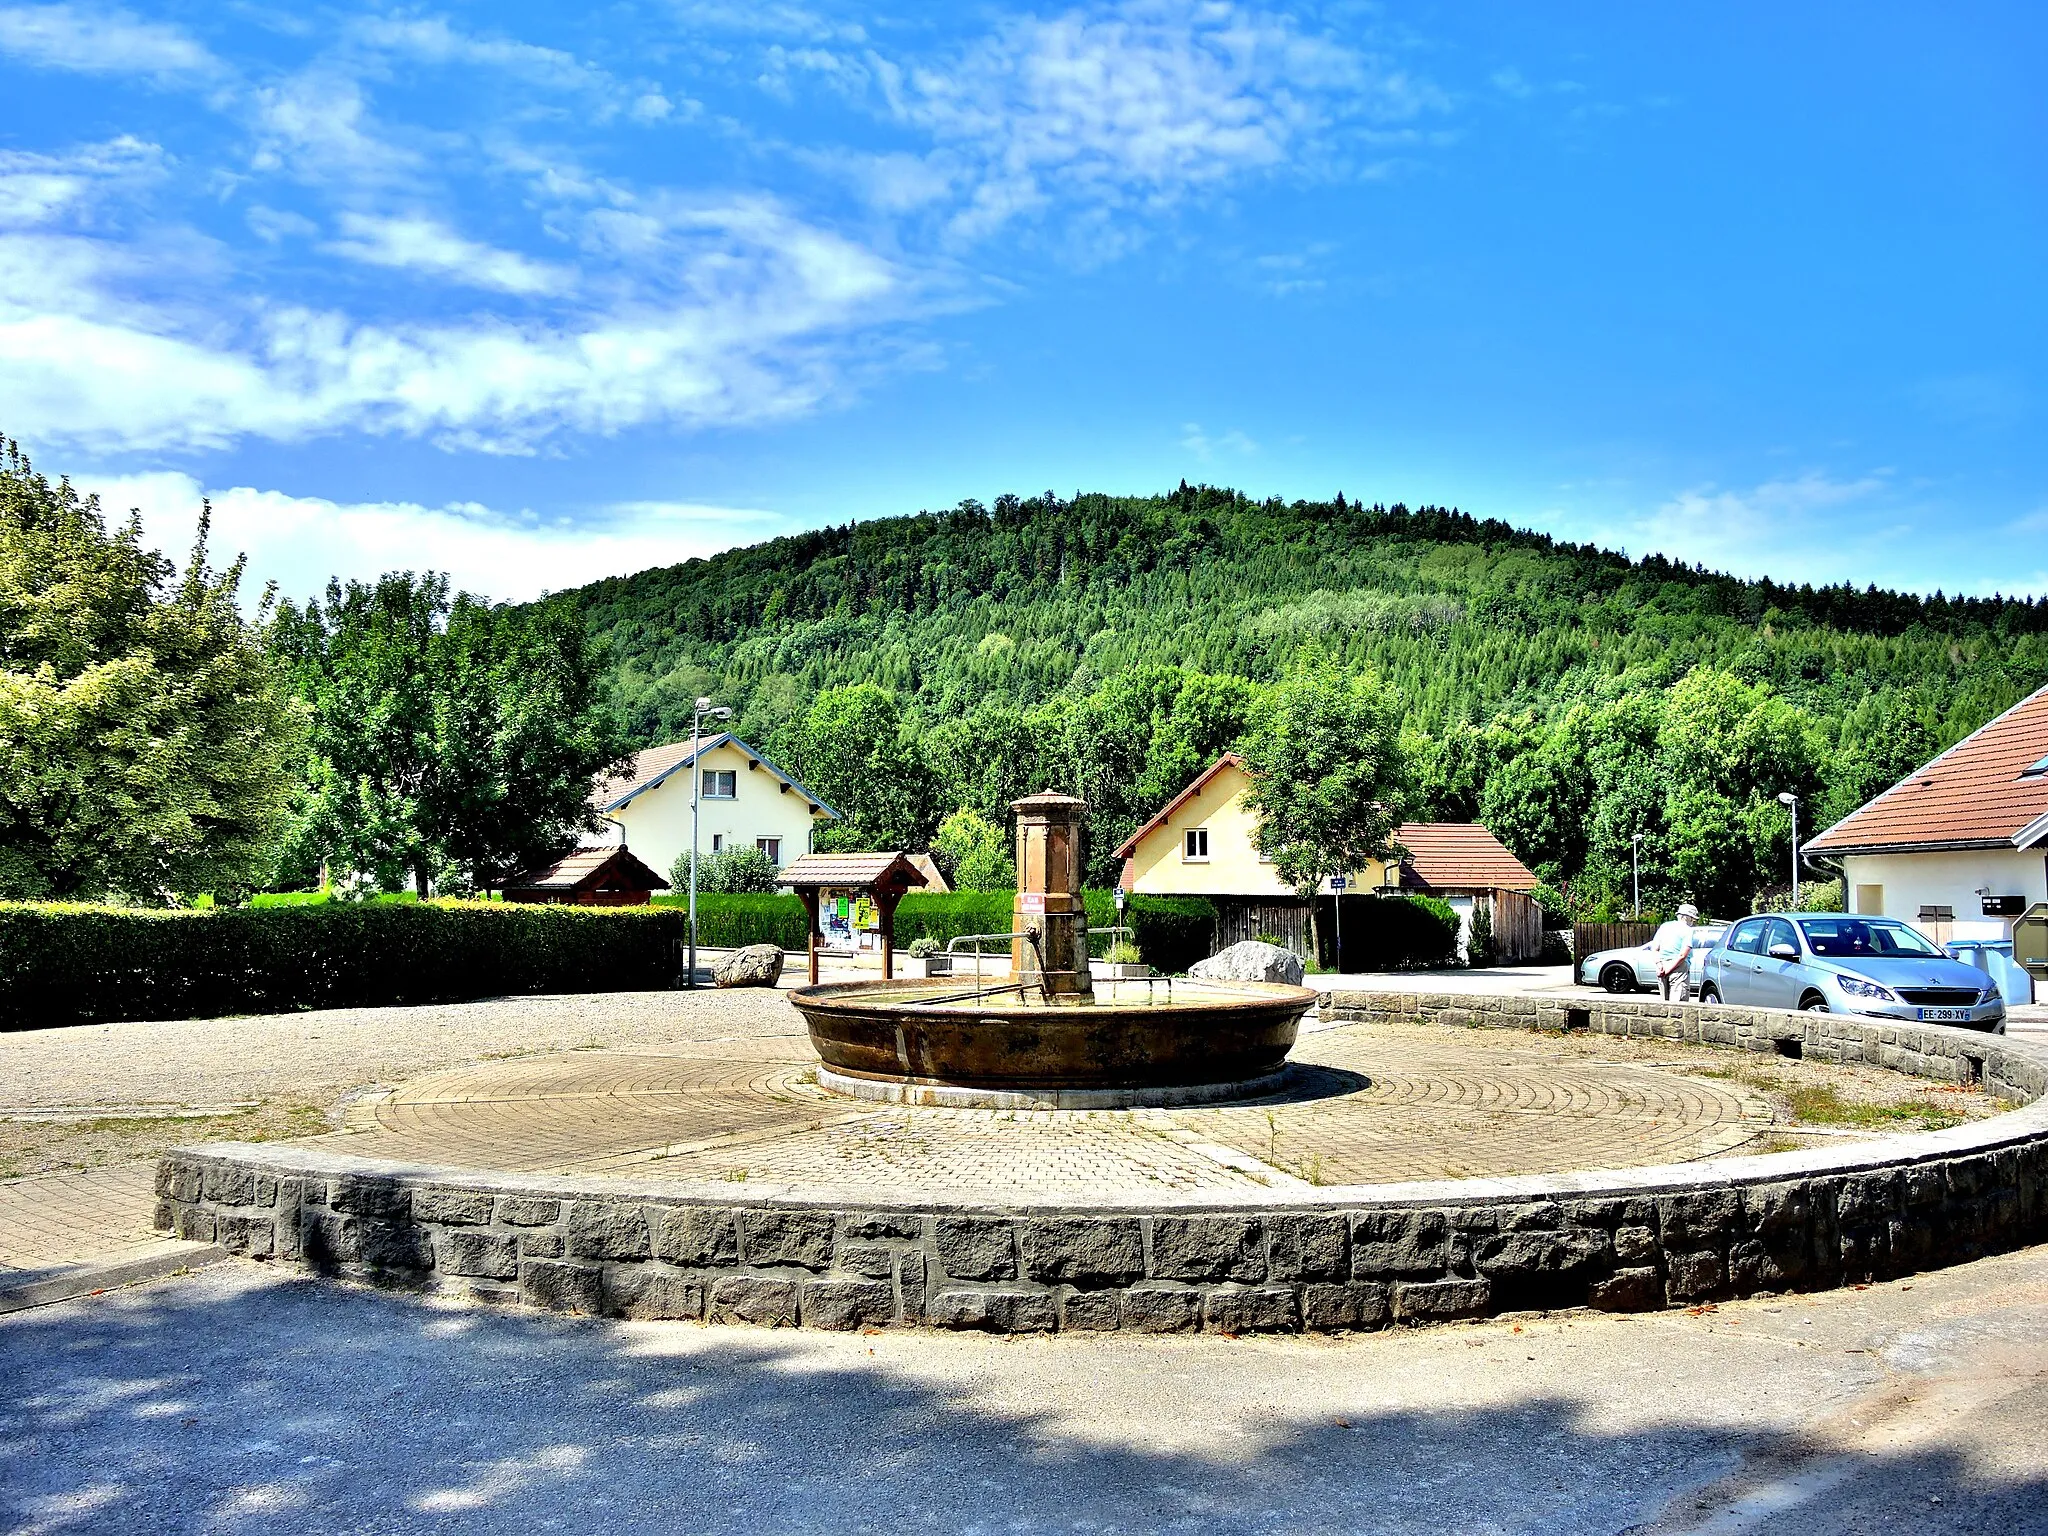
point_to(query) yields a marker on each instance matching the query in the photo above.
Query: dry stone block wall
(1324, 1259)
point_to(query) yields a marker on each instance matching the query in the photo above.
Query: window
(772, 846)
(1196, 848)
(718, 842)
(1843, 938)
(2035, 770)
(1748, 937)
(1780, 932)
(721, 784)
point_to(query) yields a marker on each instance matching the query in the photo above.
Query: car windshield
(1853, 938)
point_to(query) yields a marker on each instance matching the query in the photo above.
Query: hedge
(1390, 933)
(81, 965)
(1172, 932)
(727, 921)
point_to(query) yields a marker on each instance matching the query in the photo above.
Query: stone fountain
(1045, 1036)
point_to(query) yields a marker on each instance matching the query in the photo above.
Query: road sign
(1336, 882)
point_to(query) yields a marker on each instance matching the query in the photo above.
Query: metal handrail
(977, 939)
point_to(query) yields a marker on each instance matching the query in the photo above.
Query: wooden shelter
(589, 877)
(882, 877)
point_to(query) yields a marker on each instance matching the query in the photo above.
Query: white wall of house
(762, 807)
(1900, 884)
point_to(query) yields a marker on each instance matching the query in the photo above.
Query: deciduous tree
(148, 744)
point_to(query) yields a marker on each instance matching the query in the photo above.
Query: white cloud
(100, 42)
(301, 541)
(35, 189)
(1812, 527)
(425, 244)
(1205, 447)
(739, 313)
(1140, 103)
(432, 40)
(317, 124)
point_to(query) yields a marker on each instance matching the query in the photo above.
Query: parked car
(1635, 970)
(1994, 958)
(1833, 962)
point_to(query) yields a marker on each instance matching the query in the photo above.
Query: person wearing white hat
(1674, 952)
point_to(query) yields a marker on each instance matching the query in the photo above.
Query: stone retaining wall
(1351, 1257)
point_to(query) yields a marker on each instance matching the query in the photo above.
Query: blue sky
(536, 294)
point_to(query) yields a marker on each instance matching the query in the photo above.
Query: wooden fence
(1591, 938)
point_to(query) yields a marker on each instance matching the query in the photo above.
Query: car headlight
(1989, 994)
(1856, 986)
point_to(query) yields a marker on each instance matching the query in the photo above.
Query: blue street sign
(1336, 882)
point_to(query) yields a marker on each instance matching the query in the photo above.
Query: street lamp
(698, 716)
(1791, 802)
(1635, 873)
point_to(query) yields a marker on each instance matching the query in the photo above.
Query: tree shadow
(241, 1400)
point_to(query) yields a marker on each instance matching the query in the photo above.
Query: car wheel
(1711, 996)
(1618, 979)
(1813, 1002)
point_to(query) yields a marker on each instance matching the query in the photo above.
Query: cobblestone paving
(1366, 1104)
(68, 1218)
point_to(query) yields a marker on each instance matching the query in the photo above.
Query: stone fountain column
(1051, 853)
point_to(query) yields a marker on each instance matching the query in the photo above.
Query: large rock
(1250, 961)
(758, 965)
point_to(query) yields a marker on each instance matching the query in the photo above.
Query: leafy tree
(736, 871)
(1328, 778)
(454, 741)
(147, 742)
(853, 748)
(977, 852)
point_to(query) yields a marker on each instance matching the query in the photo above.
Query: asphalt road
(238, 1399)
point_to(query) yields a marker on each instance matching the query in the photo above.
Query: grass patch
(1822, 1104)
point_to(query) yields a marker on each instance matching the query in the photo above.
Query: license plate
(1944, 1015)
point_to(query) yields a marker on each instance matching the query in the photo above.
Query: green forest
(1567, 696)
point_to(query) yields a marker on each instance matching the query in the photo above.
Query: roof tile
(1975, 794)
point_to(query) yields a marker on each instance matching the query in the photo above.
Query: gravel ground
(243, 1400)
(96, 1094)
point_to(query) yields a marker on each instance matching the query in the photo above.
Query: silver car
(1635, 969)
(1833, 962)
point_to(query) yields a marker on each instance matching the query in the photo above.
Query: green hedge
(82, 965)
(1172, 932)
(1389, 933)
(733, 921)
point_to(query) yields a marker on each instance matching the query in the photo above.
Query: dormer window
(1195, 846)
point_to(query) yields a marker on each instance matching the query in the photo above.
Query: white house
(745, 801)
(1958, 848)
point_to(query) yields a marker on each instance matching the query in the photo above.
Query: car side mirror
(1783, 951)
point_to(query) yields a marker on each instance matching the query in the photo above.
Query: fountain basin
(939, 1042)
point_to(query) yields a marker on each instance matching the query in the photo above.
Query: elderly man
(1673, 945)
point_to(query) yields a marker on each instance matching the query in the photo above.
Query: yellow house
(1205, 843)
(744, 801)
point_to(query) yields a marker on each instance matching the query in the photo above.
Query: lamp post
(698, 716)
(1791, 802)
(1635, 874)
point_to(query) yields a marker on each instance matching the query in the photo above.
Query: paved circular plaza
(1363, 1103)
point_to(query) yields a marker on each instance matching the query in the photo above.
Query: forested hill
(1042, 601)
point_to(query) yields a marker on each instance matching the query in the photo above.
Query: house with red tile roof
(1959, 847)
(1204, 842)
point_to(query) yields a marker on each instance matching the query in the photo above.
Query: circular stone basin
(913, 1041)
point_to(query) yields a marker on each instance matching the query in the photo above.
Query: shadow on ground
(239, 1400)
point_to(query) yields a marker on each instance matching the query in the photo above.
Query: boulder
(1250, 961)
(758, 965)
